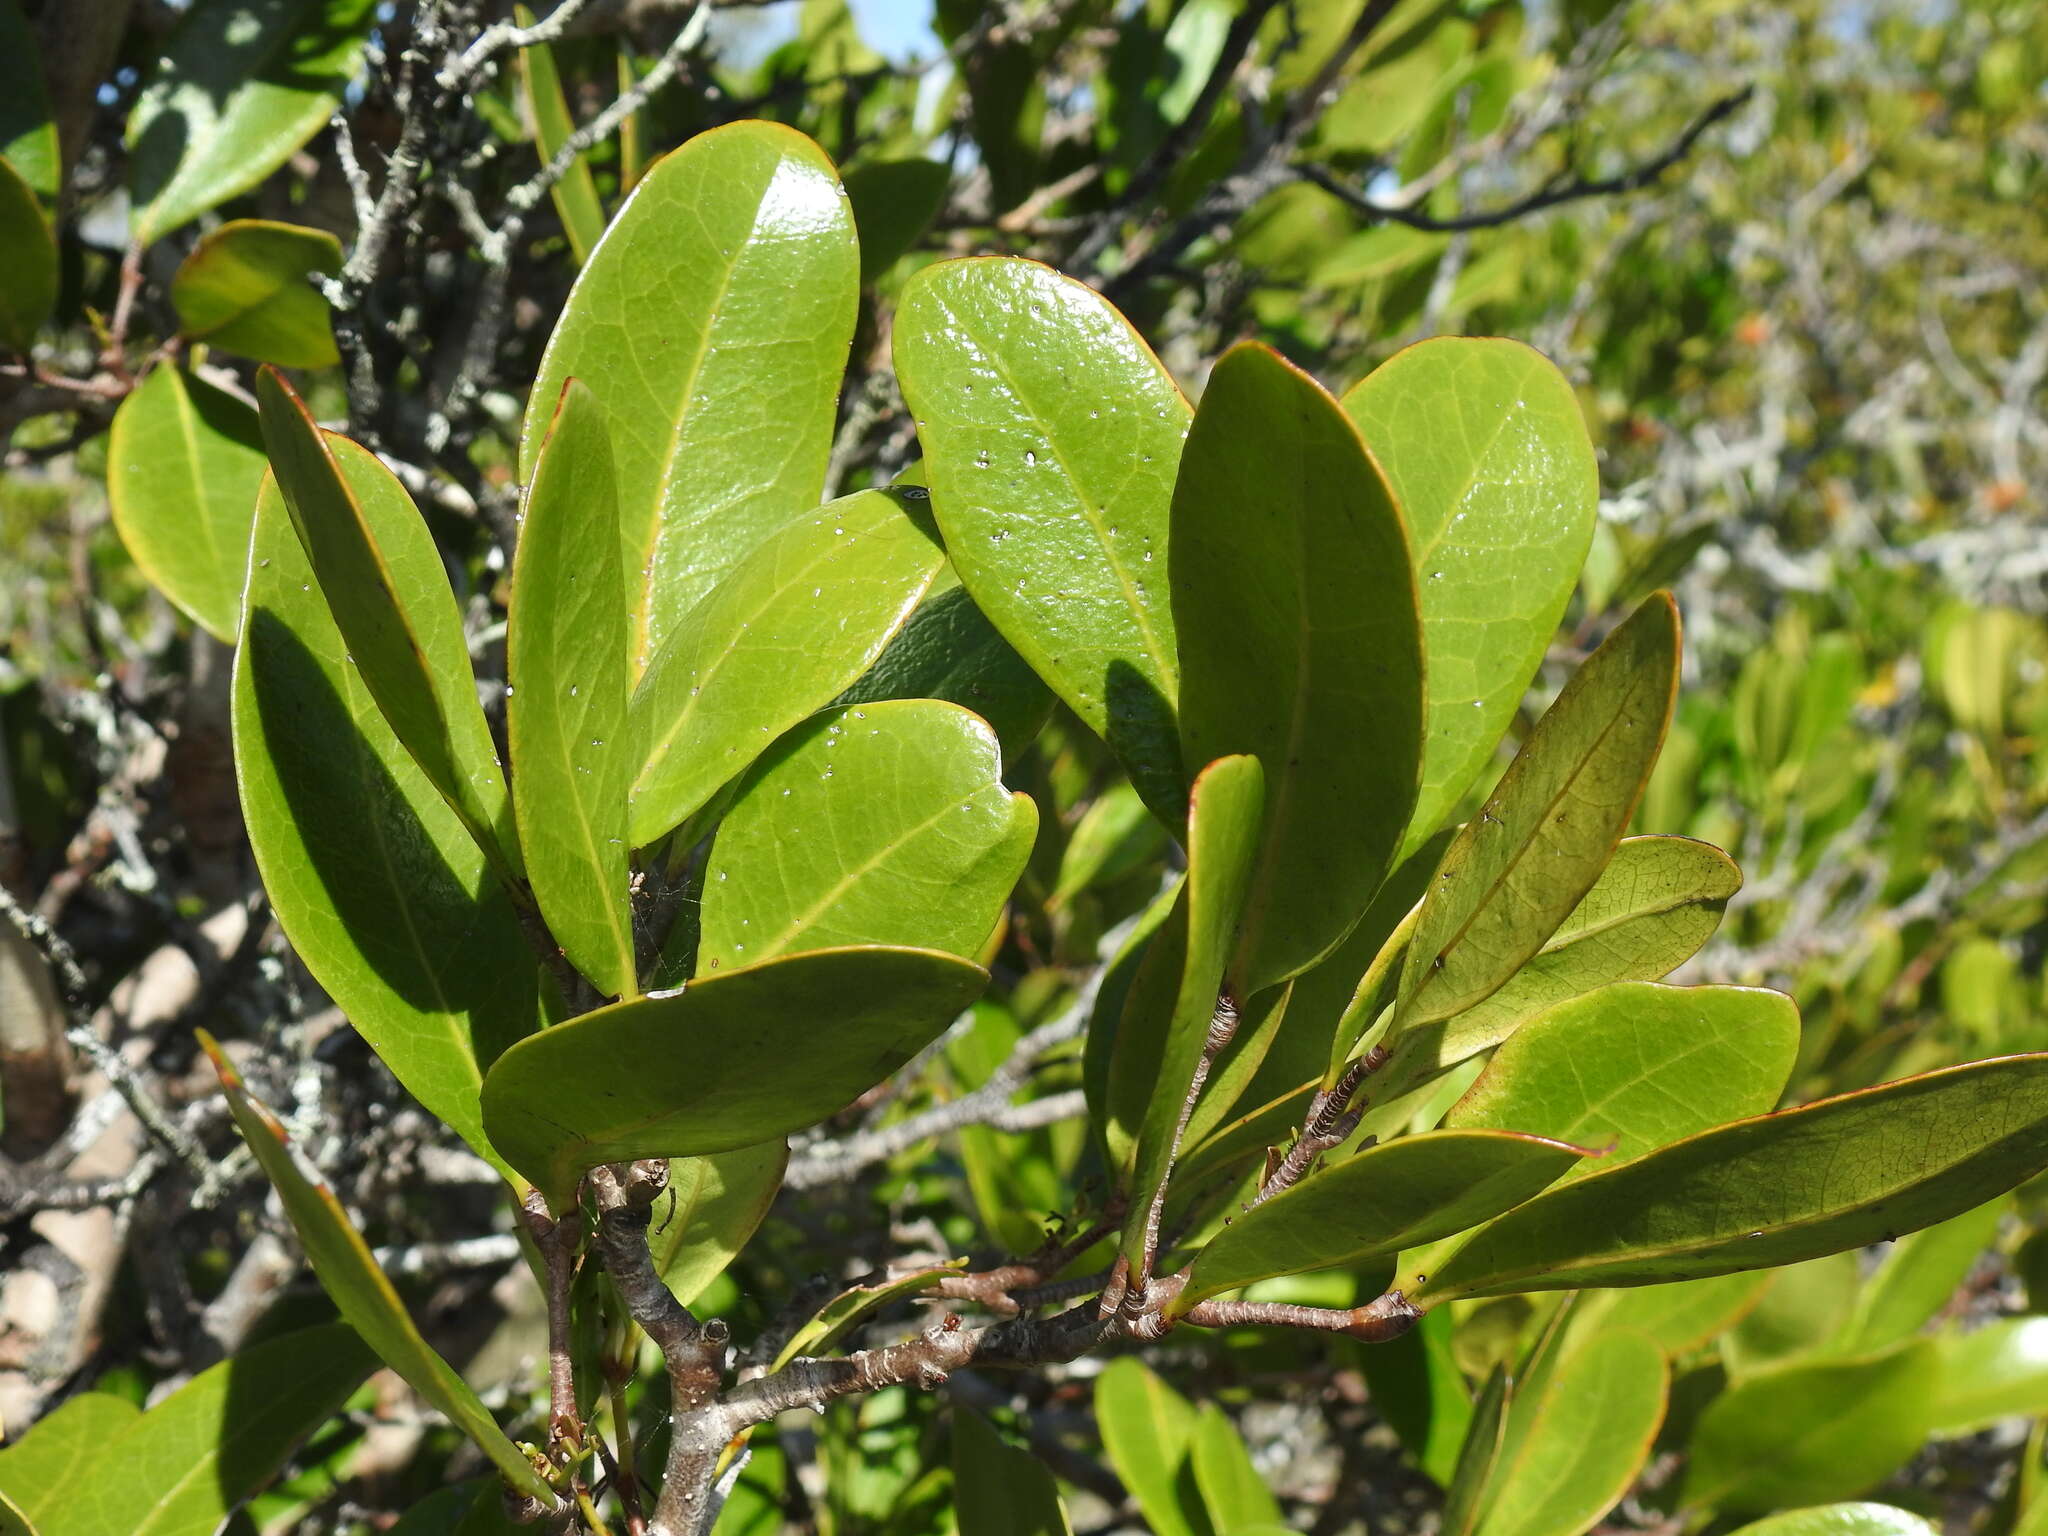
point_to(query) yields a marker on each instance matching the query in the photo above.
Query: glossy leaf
(680, 1075)
(1050, 435)
(1777, 1189)
(1637, 1066)
(1300, 645)
(184, 462)
(183, 1467)
(1398, 1195)
(1148, 1432)
(1813, 1431)
(1233, 1492)
(998, 1489)
(28, 262)
(1484, 445)
(547, 114)
(949, 650)
(376, 564)
(1657, 901)
(41, 1469)
(1590, 1434)
(565, 714)
(1519, 867)
(28, 133)
(1224, 810)
(1999, 1371)
(1685, 1314)
(1919, 1276)
(836, 1318)
(247, 288)
(712, 323)
(875, 824)
(718, 1203)
(384, 895)
(237, 90)
(1841, 1520)
(362, 1292)
(796, 622)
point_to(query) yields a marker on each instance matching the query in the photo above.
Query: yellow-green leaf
(247, 288)
(547, 115)
(999, 1490)
(718, 1202)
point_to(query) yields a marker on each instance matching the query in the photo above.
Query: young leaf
(1519, 867)
(386, 898)
(1300, 645)
(245, 288)
(795, 622)
(1999, 1371)
(1398, 1195)
(1484, 445)
(1810, 1432)
(1589, 1432)
(1233, 1492)
(718, 1202)
(183, 1467)
(712, 323)
(1918, 1277)
(237, 90)
(1657, 901)
(1835, 1175)
(1841, 1520)
(1224, 810)
(682, 1074)
(547, 115)
(376, 565)
(1637, 1066)
(565, 711)
(999, 1490)
(836, 1318)
(184, 461)
(28, 262)
(352, 1280)
(1051, 434)
(878, 824)
(1148, 1432)
(41, 1470)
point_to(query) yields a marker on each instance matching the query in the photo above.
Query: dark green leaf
(547, 113)
(685, 1074)
(28, 134)
(893, 201)
(1300, 645)
(719, 1201)
(246, 288)
(999, 1490)
(184, 462)
(875, 824)
(1417, 1388)
(1051, 434)
(28, 262)
(712, 324)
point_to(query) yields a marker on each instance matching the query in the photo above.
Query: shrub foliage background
(1029, 779)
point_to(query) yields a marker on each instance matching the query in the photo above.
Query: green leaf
(183, 1467)
(1115, 836)
(1484, 445)
(1232, 1490)
(1841, 1520)
(999, 1490)
(42, 1469)
(894, 201)
(1801, 1312)
(246, 288)
(875, 824)
(547, 114)
(1397, 1195)
(28, 133)
(1148, 1433)
(1835, 1175)
(793, 624)
(238, 88)
(184, 463)
(1918, 1277)
(565, 710)
(1300, 645)
(1657, 901)
(362, 1292)
(712, 324)
(1637, 1066)
(28, 262)
(1519, 867)
(1685, 1314)
(377, 566)
(384, 895)
(12, 1521)
(1999, 1371)
(1810, 1432)
(1416, 1386)
(682, 1075)
(836, 1318)
(1478, 1456)
(1590, 1432)
(1224, 810)
(1051, 434)
(949, 650)
(718, 1203)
